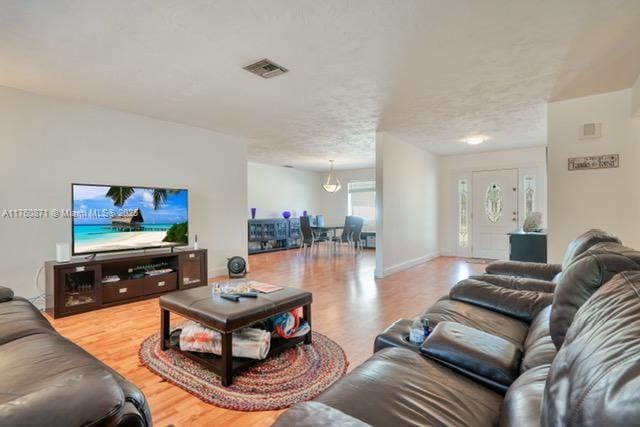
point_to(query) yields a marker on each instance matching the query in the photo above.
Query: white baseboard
(406, 264)
(218, 271)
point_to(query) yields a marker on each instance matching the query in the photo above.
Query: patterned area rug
(293, 376)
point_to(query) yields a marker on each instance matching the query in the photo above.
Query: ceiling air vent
(266, 69)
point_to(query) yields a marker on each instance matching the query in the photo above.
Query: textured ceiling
(431, 72)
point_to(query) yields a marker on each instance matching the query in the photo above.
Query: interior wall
(452, 168)
(274, 189)
(635, 98)
(47, 144)
(407, 203)
(602, 198)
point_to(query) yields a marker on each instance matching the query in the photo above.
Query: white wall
(48, 143)
(527, 160)
(274, 189)
(635, 98)
(603, 198)
(407, 202)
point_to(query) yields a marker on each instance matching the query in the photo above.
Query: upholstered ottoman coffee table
(226, 317)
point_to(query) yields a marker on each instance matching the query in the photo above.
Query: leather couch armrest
(488, 359)
(517, 283)
(316, 414)
(533, 270)
(87, 398)
(523, 305)
(6, 294)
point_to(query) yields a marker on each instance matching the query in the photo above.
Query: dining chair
(309, 238)
(345, 237)
(356, 231)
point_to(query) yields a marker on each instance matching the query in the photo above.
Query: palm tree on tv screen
(119, 195)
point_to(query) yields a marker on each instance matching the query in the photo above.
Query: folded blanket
(251, 343)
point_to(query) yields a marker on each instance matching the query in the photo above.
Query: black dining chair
(356, 231)
(309, 239)
(345, 237)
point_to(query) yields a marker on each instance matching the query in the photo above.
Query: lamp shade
(332, 183)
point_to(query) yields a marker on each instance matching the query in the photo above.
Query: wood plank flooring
(350, 306)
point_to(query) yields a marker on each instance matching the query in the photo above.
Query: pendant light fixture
(332, 184)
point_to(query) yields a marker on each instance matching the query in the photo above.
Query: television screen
(109, 218)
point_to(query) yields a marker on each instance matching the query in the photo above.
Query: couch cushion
(517, 303)
(538, 347)
(479, 318)
(588, 272)
(312, 414)
(584, 242)
(19, 318)
(6, 294)
(595, 378)
(490, 360)
(397, 387)
(34, 361)
(523, 402)
(82, 397)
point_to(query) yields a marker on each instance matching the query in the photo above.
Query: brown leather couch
(456, 377)
(46, 380)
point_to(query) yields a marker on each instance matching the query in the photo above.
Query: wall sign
(604, 161)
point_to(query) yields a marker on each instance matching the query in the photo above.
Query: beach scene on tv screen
(114, 218)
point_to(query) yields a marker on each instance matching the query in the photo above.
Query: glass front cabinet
(193, 270)
(79, 288)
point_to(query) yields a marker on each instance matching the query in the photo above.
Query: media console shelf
(84, 285)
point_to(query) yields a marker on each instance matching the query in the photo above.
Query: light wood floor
(349, 306)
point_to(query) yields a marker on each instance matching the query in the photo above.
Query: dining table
(333, 229)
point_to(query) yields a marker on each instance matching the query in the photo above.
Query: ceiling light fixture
(475, 140)
(332, 184)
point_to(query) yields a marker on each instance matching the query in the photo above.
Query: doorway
(495, 212)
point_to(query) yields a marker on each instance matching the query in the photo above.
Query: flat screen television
(111, 218)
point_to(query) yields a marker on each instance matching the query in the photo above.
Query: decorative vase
(304, 213)
(286, 214)
(253, 213)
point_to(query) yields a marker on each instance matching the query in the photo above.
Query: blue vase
(286, 214)
(253, 213)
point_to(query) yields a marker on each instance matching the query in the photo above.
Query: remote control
(230, 297)
(249, 295)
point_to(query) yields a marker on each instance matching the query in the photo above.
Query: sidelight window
(463, 212)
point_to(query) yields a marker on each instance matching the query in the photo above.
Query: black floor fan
(237, 267)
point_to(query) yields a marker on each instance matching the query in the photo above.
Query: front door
(495, 212)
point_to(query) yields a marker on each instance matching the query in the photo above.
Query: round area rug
(295, 375)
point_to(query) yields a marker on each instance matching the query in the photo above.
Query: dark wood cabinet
(528, 246)
(85, 285)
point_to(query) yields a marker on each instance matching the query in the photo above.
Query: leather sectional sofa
(503, 355)
(46, 380)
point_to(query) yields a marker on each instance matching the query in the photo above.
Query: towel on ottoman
(251, 343)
